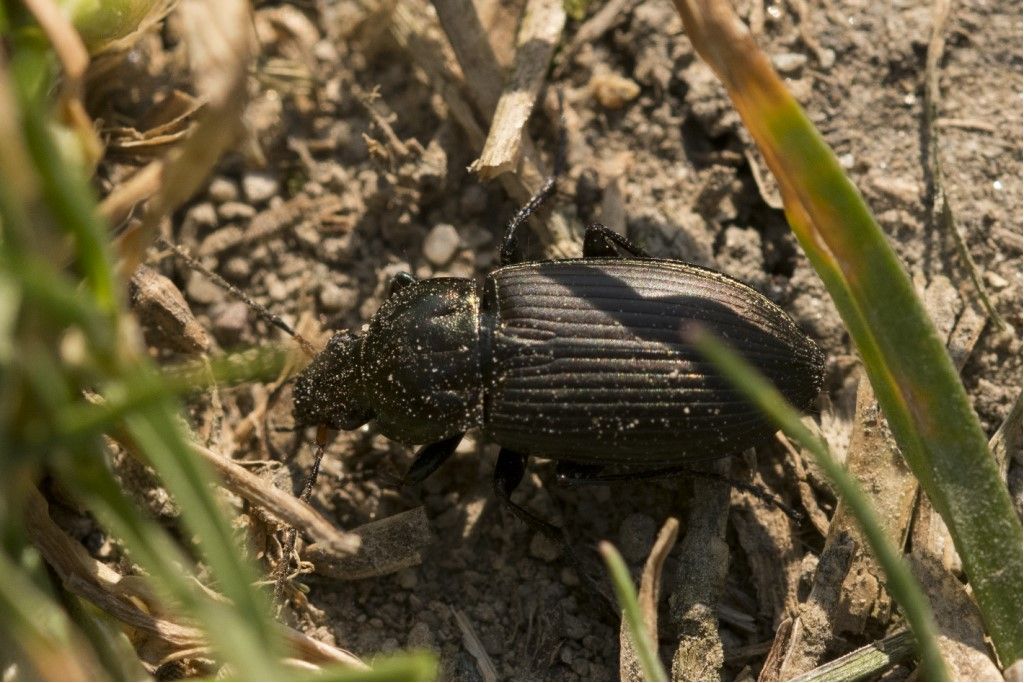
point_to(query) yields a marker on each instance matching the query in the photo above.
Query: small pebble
(789, 63)
(276, 289)
(235, 211)
(613, 91)
(259, 187)
(202, 214)
(222, 190)
(407, 578)
(335, 299)
(421, 637)
(636, 535)
(201, 291)
(543, 548)
(441, 244)
(229, 321)
(995, 281)
(237, 268)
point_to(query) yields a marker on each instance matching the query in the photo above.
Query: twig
(940, 210)
(698, 582)
(272, 318)
(866, 662)
(647, 597)
(281, 505)
(543, 21)
(474, 646)
(483, 78)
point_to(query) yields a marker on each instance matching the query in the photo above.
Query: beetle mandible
(579, 360)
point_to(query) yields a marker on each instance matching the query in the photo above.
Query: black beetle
(579, 360)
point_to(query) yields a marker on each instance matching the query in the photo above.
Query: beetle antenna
(288, 545)
(509, 242)
(261, 310)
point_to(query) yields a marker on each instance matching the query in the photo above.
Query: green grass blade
(901, 583)
(625, 593)
(913, 377)
(410, 666)
(39, 629)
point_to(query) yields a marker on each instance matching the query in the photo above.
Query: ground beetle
(580, 360)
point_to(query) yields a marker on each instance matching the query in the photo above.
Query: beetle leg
(398, 282)
(507, 253)
(600, 241)
(507, 474)
(429, 458)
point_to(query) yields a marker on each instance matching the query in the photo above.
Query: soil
(669, 168)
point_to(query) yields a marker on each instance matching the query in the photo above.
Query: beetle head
(329, 391)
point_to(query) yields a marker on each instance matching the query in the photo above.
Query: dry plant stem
(647, 598)
(287, 508)
(801, 640)
(941, 212)
(74, 59)
(220, 47)
(543, 21)
(696, 588)
(483, 78)
(121, 596)
(263, 312)
(117, 206)
(866, 662)
(473, 645)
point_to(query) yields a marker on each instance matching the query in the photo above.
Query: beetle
(580, 360)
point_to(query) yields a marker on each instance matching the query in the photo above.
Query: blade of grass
(625, 592)
(904, 588)
(63, 205)
(914, 379)
(410, 666)
(39, 628)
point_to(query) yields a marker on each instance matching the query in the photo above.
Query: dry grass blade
(543, 21)
(473, 645)
(647, 598)
(280, 504)
(121, 596)
(220, 48)
(74, 59)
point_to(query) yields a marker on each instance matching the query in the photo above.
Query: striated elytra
(582, 361)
